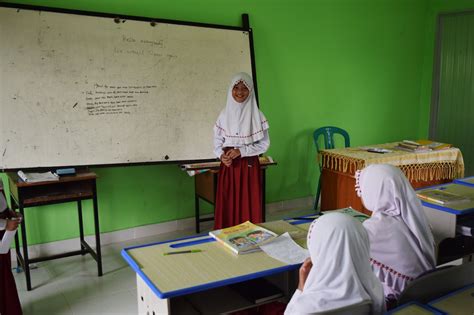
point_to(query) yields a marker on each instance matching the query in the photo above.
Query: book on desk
(421, 146)
(243, 238)
(37, 177)
(441, 197)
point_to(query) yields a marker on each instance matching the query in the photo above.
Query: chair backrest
(361, 308)
(328, 133)
(438, 283)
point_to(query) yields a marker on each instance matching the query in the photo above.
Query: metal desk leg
(97, 231)
(26, 260)
(264, 183)
(81, 226)
(196, 209)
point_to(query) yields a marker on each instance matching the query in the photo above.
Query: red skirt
(239, 197)
(9, 301)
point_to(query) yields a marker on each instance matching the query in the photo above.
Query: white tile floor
(71, 286)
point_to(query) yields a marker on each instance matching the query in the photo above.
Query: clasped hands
(13, 219)
(228, 156)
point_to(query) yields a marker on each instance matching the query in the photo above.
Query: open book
(243, 238)
(442, 197)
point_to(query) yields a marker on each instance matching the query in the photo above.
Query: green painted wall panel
(354, 64)
(456, 91)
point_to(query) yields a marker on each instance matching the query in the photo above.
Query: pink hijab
(401, 242)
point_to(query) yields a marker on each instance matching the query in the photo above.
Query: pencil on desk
(183, 252)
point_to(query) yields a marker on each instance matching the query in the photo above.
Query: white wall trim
(58, 247)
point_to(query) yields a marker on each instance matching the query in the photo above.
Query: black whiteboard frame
(245, 28)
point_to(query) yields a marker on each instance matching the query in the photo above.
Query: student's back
(339, 274)
(401, 243)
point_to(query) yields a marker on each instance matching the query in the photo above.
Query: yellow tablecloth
(426, 166)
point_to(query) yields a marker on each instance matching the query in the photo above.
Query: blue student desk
(414, 308)
(459, 302)
(468, 181)
(182, 283)
(177, 284)
(444, 218)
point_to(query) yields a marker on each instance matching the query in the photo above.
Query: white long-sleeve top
(252, 149)
(7, 237)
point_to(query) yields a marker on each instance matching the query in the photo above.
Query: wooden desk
(468, 181)
(460, 302)
(81, 186)
(422, 170)
(414, 308)
(443, 220)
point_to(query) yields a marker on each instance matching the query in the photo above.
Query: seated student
(401, 242)
(338, 272)
(9, 302)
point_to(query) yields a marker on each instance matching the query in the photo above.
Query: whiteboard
(89, 90)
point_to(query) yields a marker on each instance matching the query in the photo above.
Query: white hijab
(3, 201)
(341, 274)
(400, 238)
(241, 123)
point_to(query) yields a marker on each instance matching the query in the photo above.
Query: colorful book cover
(243, 238)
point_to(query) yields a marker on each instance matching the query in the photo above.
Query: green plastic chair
(328, 133)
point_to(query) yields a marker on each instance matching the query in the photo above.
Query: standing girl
(240, 135)
(9, 220)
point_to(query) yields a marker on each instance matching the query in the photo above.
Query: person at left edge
(9, 220)
(240, 135)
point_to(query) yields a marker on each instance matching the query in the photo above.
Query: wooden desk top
(174, 275)
(455, 208)
(460, 302)
(468, 181)
(67, 188)
(264, 162)
(414, 308)
(80, 176)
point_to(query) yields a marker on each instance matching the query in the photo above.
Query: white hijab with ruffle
(341, 274)
(401, 242)
(3, 201)
(241, 123)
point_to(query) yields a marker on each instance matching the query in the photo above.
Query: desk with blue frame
(185, 283)
(444, 219)
(414, 308)
(459, 302)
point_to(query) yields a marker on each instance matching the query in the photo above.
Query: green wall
(357, 64)
(435, 8)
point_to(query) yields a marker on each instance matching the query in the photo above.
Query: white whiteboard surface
(84, 90)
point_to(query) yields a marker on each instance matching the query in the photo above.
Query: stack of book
(412, 146)
(421, 146)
